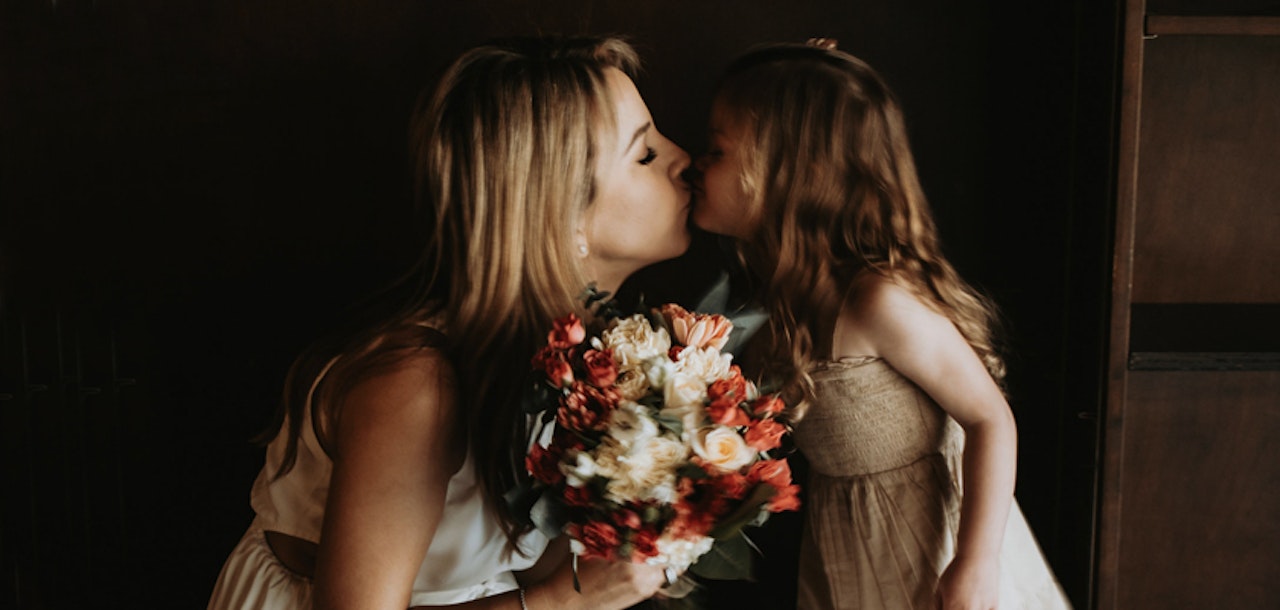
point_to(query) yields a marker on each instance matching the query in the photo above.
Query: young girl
(542, 170)
(891, 352)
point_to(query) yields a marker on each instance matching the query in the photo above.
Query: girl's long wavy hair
(504, 157)
(827, 153)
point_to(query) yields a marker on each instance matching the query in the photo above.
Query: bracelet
(523, 606)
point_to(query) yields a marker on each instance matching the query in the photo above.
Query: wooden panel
(1107, 560)
(1213, 7)
(1201, 491)
(1210, 26)
(1208, 207)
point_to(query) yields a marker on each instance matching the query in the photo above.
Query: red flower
(732, 387)
(645, 543)
(544, 464)
(725, 411)
(765, 434)
(552, 362)
(602, 371)
(566, 332)
(774, 472)
(601, 539)
(578, 496)
(766, 406)
(787, 498)
(732, 485)
(587, 407)
(627, 518)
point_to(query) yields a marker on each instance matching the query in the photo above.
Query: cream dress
(468, 559)
(884, 499)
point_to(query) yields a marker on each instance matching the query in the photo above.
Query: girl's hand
(606, 585)
(969, 584)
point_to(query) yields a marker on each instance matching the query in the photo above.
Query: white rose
(630, 424)
(682, 389)
(581, 471)
(632, 383)
(723, 448)
(707, 364)
(633, 340)
(680, 553)
(657, 370)
(648, 468)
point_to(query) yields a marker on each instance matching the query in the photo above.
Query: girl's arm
(888, 320)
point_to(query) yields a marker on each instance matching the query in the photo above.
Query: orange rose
(765, 435)
(766, 406)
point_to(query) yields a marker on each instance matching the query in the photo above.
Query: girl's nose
(701, 163)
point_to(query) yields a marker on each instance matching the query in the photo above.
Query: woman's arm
(396, 447)
(924, 346)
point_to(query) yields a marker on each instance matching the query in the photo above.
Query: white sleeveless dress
(469, 557)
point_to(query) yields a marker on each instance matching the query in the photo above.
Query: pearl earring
(582, 249)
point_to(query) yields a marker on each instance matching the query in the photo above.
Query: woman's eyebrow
(639, 132)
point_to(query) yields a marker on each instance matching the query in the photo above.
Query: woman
(542, 171)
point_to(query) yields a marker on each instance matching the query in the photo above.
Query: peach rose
(695, 329)
(722, 448)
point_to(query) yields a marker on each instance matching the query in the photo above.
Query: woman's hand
(606, 585)
(969, 584)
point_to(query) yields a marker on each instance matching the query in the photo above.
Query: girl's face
(722, 203)
(640, 213)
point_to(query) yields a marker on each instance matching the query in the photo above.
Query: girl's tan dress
(884, 499)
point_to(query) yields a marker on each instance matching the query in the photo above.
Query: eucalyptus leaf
(716, 298)
(674, 424)
(728, 559)
(745, 324)
(548, 515)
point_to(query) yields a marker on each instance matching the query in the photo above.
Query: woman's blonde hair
(826, 152)
(504, 154)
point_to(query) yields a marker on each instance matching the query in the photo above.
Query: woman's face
(722, 203)
(641, 210)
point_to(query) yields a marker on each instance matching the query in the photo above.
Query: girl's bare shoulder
(882, 311)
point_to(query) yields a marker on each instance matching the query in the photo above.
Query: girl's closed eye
(649, 155)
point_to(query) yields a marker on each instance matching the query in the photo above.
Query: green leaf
(716, 298)
(728, 559)
(745, 324)
(674, 424)
(548, 515)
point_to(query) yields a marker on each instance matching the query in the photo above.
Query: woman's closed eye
(649, 155)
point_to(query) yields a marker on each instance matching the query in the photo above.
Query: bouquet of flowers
(653, 448)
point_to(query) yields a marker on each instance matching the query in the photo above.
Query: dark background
(191, 190)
